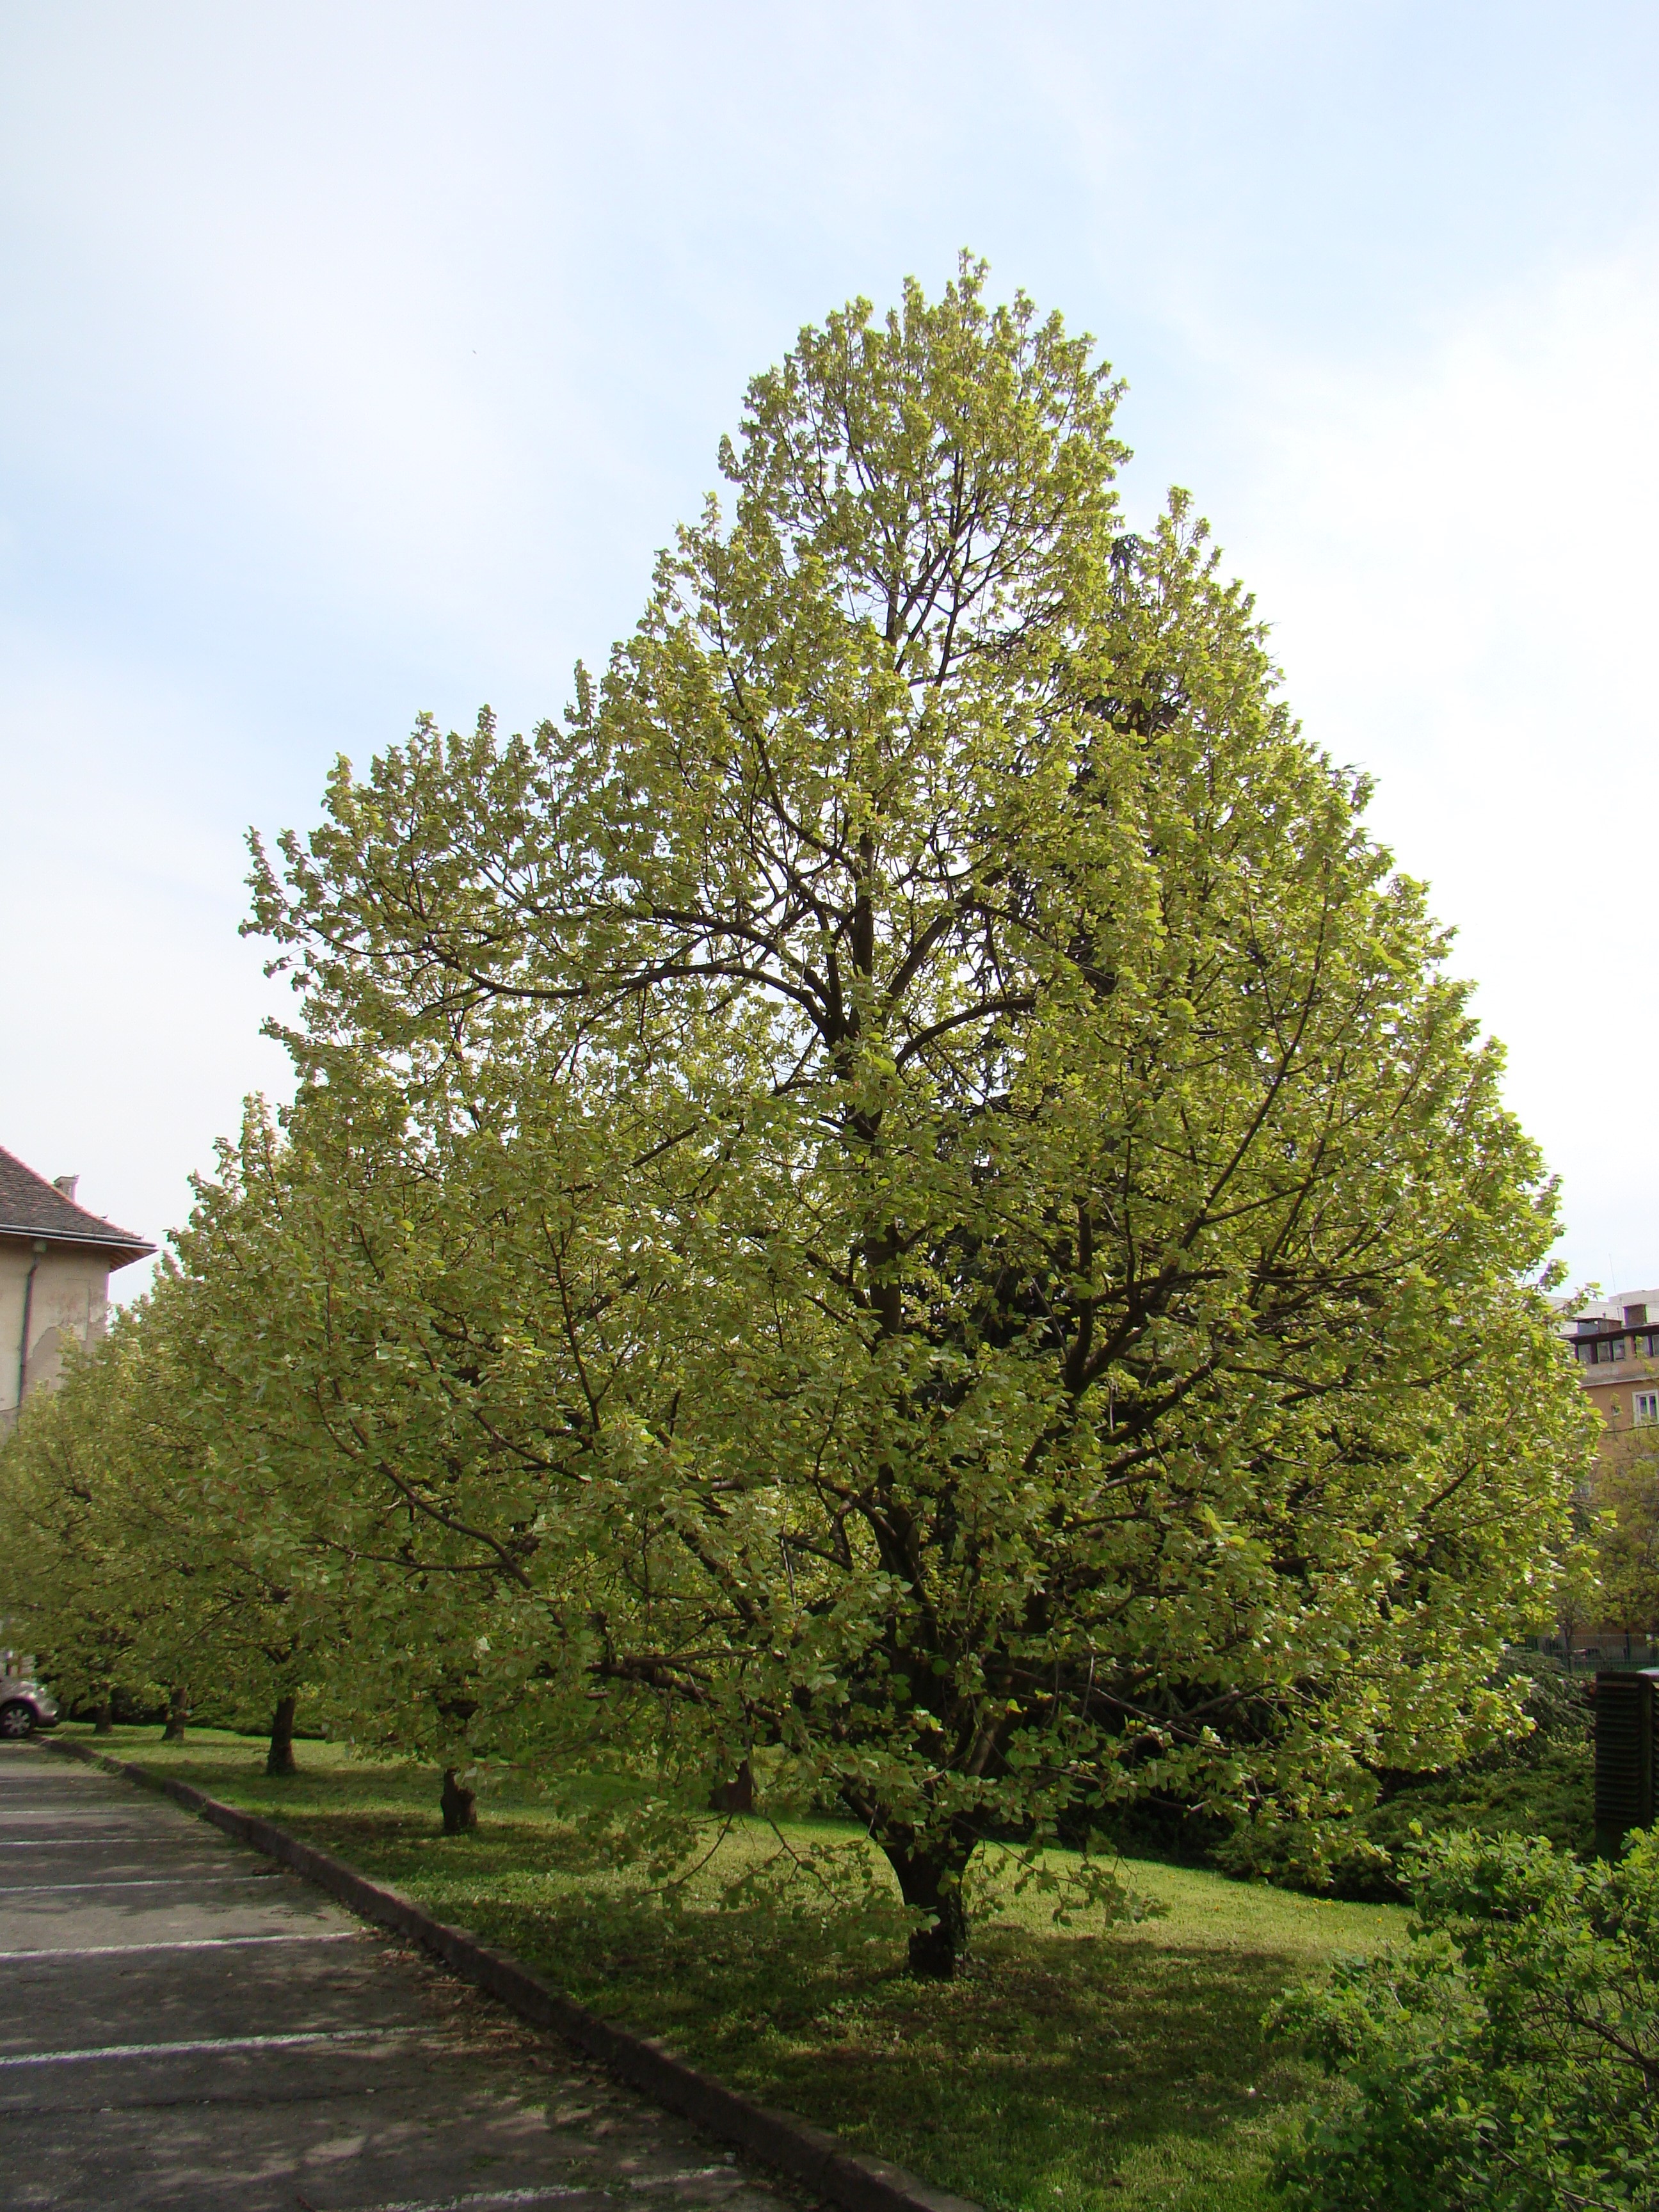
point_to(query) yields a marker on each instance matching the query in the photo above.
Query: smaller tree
(1506, 2059)
(132, 1563)
(366, 1444)
(272, 1626)
(1626, 1499)
(80, 1578)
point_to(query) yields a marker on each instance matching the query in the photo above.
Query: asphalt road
(183, 2024)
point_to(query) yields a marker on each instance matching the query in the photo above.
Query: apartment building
(1616, 1344)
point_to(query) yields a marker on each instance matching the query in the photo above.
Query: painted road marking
(545, 2195)
(299, 2040)
(548, 2196)
(188, 1943)
(135, 1881)
(76, 1843)
(26, 1818)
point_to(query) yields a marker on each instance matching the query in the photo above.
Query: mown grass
(1103, 2065)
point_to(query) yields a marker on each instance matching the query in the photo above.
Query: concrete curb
(808, 2154)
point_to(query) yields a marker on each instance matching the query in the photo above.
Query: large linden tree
(1010, 1282)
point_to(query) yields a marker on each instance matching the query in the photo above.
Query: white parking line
(134, 1881)
(299, 2040)
(691, 2174)
(545, 2195)
(549, 2195)
(189, 1943)
(65, 1843)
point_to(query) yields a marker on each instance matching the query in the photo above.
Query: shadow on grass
(1057, 2071)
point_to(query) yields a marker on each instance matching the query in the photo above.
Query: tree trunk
(178, 1714)
(104, 1719)
(933, 1885)
(279, 1759)
(460, 1805)
(736, 1796)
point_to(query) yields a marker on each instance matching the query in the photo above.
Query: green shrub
(1507, 2059)
(1548, 1794)
(1541, 1784)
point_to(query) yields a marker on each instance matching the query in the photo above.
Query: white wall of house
(68, 1304)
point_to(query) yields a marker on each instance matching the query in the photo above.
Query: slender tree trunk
(933, 1885)
(459, 1804)
(178, 1714)
(736, 1796)
(104, 1719)
(279, 1759)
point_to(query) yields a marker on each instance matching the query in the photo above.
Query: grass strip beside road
(1075, 2069)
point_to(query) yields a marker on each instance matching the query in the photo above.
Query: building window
(1644, 1409)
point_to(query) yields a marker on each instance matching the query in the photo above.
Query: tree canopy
(968, 1245)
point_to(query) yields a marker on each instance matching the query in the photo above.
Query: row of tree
(900, 1200)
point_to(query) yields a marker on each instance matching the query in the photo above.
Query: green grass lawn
(1106, 2064)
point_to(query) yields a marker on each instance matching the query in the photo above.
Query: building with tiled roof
(56, 1260)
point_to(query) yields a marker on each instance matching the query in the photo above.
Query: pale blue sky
(354, 360)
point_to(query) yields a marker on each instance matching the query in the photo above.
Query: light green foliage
(1506, 2059)
(127, 1555)
(904, 1192)
(1537, 1785)
(1625, 1496)
(381, 1310)
(79, 1581)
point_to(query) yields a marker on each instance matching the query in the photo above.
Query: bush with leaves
(1535, 1783)
(1506, 2058)
(1532, 1777)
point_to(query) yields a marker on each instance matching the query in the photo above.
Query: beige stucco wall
(1614, 1390)
(69, 1303)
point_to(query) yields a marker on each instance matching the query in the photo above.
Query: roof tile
(31, 1207)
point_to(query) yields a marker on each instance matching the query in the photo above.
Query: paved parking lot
(183, 2024)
